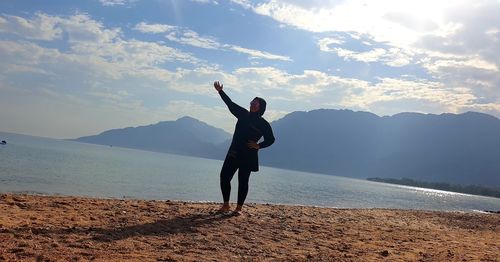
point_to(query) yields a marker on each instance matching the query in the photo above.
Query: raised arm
(235, 109)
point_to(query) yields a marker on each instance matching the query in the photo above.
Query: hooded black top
(250, 127)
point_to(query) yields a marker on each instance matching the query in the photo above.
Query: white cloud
(391, 91)
(189, 37)
(488, 108)
(41, 27)
(244, 3)
(480, 76)
(82, 28)
(272, 115)
(435, 65)
(79, 27)
(102, 78)
(116, 2)
(394, 57)
(370, 56)
(102, 75)
(324, 43)
(457, 42)
(153, 28)
(136, 62)
(462, 27)
(199, 80)
(476, 33)
(192, 38)
(25, 56)
(206, 2)
(261, 78)
(396, 22)
(133, 55)
(259, 54)
(179, 35)
(315, 89)
(93, 47)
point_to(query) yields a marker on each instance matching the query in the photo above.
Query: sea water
(49, 166)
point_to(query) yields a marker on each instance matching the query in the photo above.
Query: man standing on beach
(243, 152)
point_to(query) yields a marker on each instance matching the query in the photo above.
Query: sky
(76, 68)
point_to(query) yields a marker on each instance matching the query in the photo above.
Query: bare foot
(224, 208)
(237, 211)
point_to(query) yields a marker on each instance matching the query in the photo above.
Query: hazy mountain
(460, 149)
(457, 149)
(186, 136)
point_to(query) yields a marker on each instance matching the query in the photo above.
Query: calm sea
(49, 166)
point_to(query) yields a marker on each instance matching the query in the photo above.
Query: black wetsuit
(250, 127)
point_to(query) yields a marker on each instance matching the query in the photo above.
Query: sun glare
(398, 22)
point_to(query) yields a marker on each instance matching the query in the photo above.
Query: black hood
(262, 105)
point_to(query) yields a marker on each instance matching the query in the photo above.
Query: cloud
(116, 2)
(82, 28)
(41, 27)
(133, 55)
(153, 28)
(192, 38)
(79, 27)
(189, 37)
(399, 23)
(394, 57)
(258, 54)
(101, 74)
(315, 89)
(104, 94)
(324, 43)
(206, 2)
(395, 22)
(474, 73)
(245, 3)
(455, 42)
(477, 32)
(91, 46)
(261, 79)
(179, 35)
(456, 27)
(391, 89)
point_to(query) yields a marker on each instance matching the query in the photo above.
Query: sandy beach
(54, 228)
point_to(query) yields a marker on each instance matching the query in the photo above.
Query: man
(243, 152)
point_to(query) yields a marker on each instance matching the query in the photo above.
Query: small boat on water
(3, 142)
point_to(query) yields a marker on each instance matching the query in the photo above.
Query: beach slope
(49, 228)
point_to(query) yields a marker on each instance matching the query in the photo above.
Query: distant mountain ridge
(454, 148)
(460, 149)
(185, 136)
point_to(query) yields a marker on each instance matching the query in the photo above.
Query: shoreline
(51, 228)
(441, 186)
(43, 194)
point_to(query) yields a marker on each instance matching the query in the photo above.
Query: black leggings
(226, 174)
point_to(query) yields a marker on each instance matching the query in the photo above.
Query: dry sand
(54, 228)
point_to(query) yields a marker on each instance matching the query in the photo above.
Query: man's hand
(251, 144)
(218, 86)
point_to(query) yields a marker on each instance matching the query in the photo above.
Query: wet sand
(54, 228)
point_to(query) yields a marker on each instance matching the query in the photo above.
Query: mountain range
(185, 136)
(453, 148)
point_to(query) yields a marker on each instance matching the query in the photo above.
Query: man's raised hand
(218, 86)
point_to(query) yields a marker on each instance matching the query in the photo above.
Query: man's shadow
(163, 227)
(176, 225)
